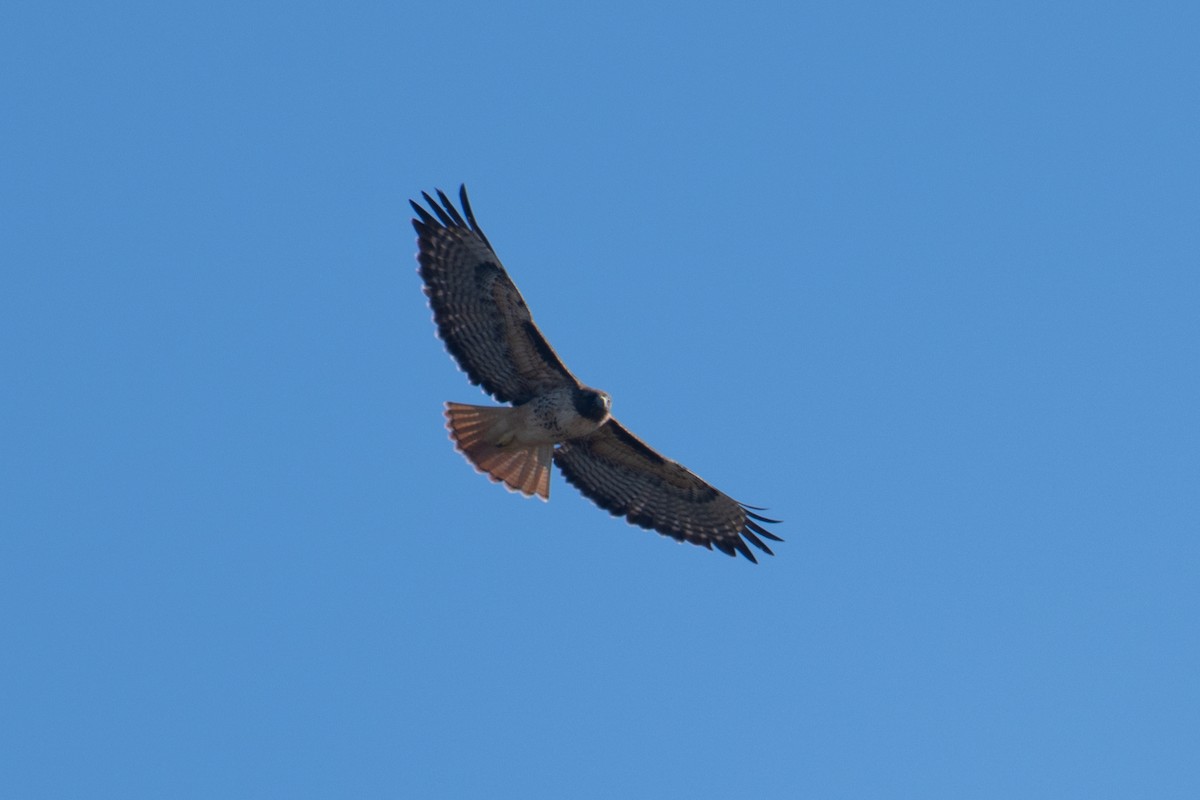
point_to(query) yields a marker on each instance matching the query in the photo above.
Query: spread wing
(623, 475)
(480, 315)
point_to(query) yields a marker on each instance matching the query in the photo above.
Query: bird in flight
(553, 418)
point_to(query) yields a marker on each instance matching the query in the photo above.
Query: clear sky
(923, 279)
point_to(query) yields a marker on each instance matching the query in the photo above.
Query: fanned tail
(483, 435)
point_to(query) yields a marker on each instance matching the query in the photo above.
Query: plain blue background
(922, 278)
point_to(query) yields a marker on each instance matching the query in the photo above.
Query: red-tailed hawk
(488, 329)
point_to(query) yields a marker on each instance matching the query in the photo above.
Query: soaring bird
(553, 417)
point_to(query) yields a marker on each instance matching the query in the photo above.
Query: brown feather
(479, 433)
(479, 313)
(623, 475)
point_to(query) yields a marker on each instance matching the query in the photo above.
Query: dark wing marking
(623, 475)
(479, 313)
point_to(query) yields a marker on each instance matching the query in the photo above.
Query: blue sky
(922, 279)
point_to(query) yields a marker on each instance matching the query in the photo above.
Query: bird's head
(593, 404)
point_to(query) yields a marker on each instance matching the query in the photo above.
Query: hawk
(553, 418)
